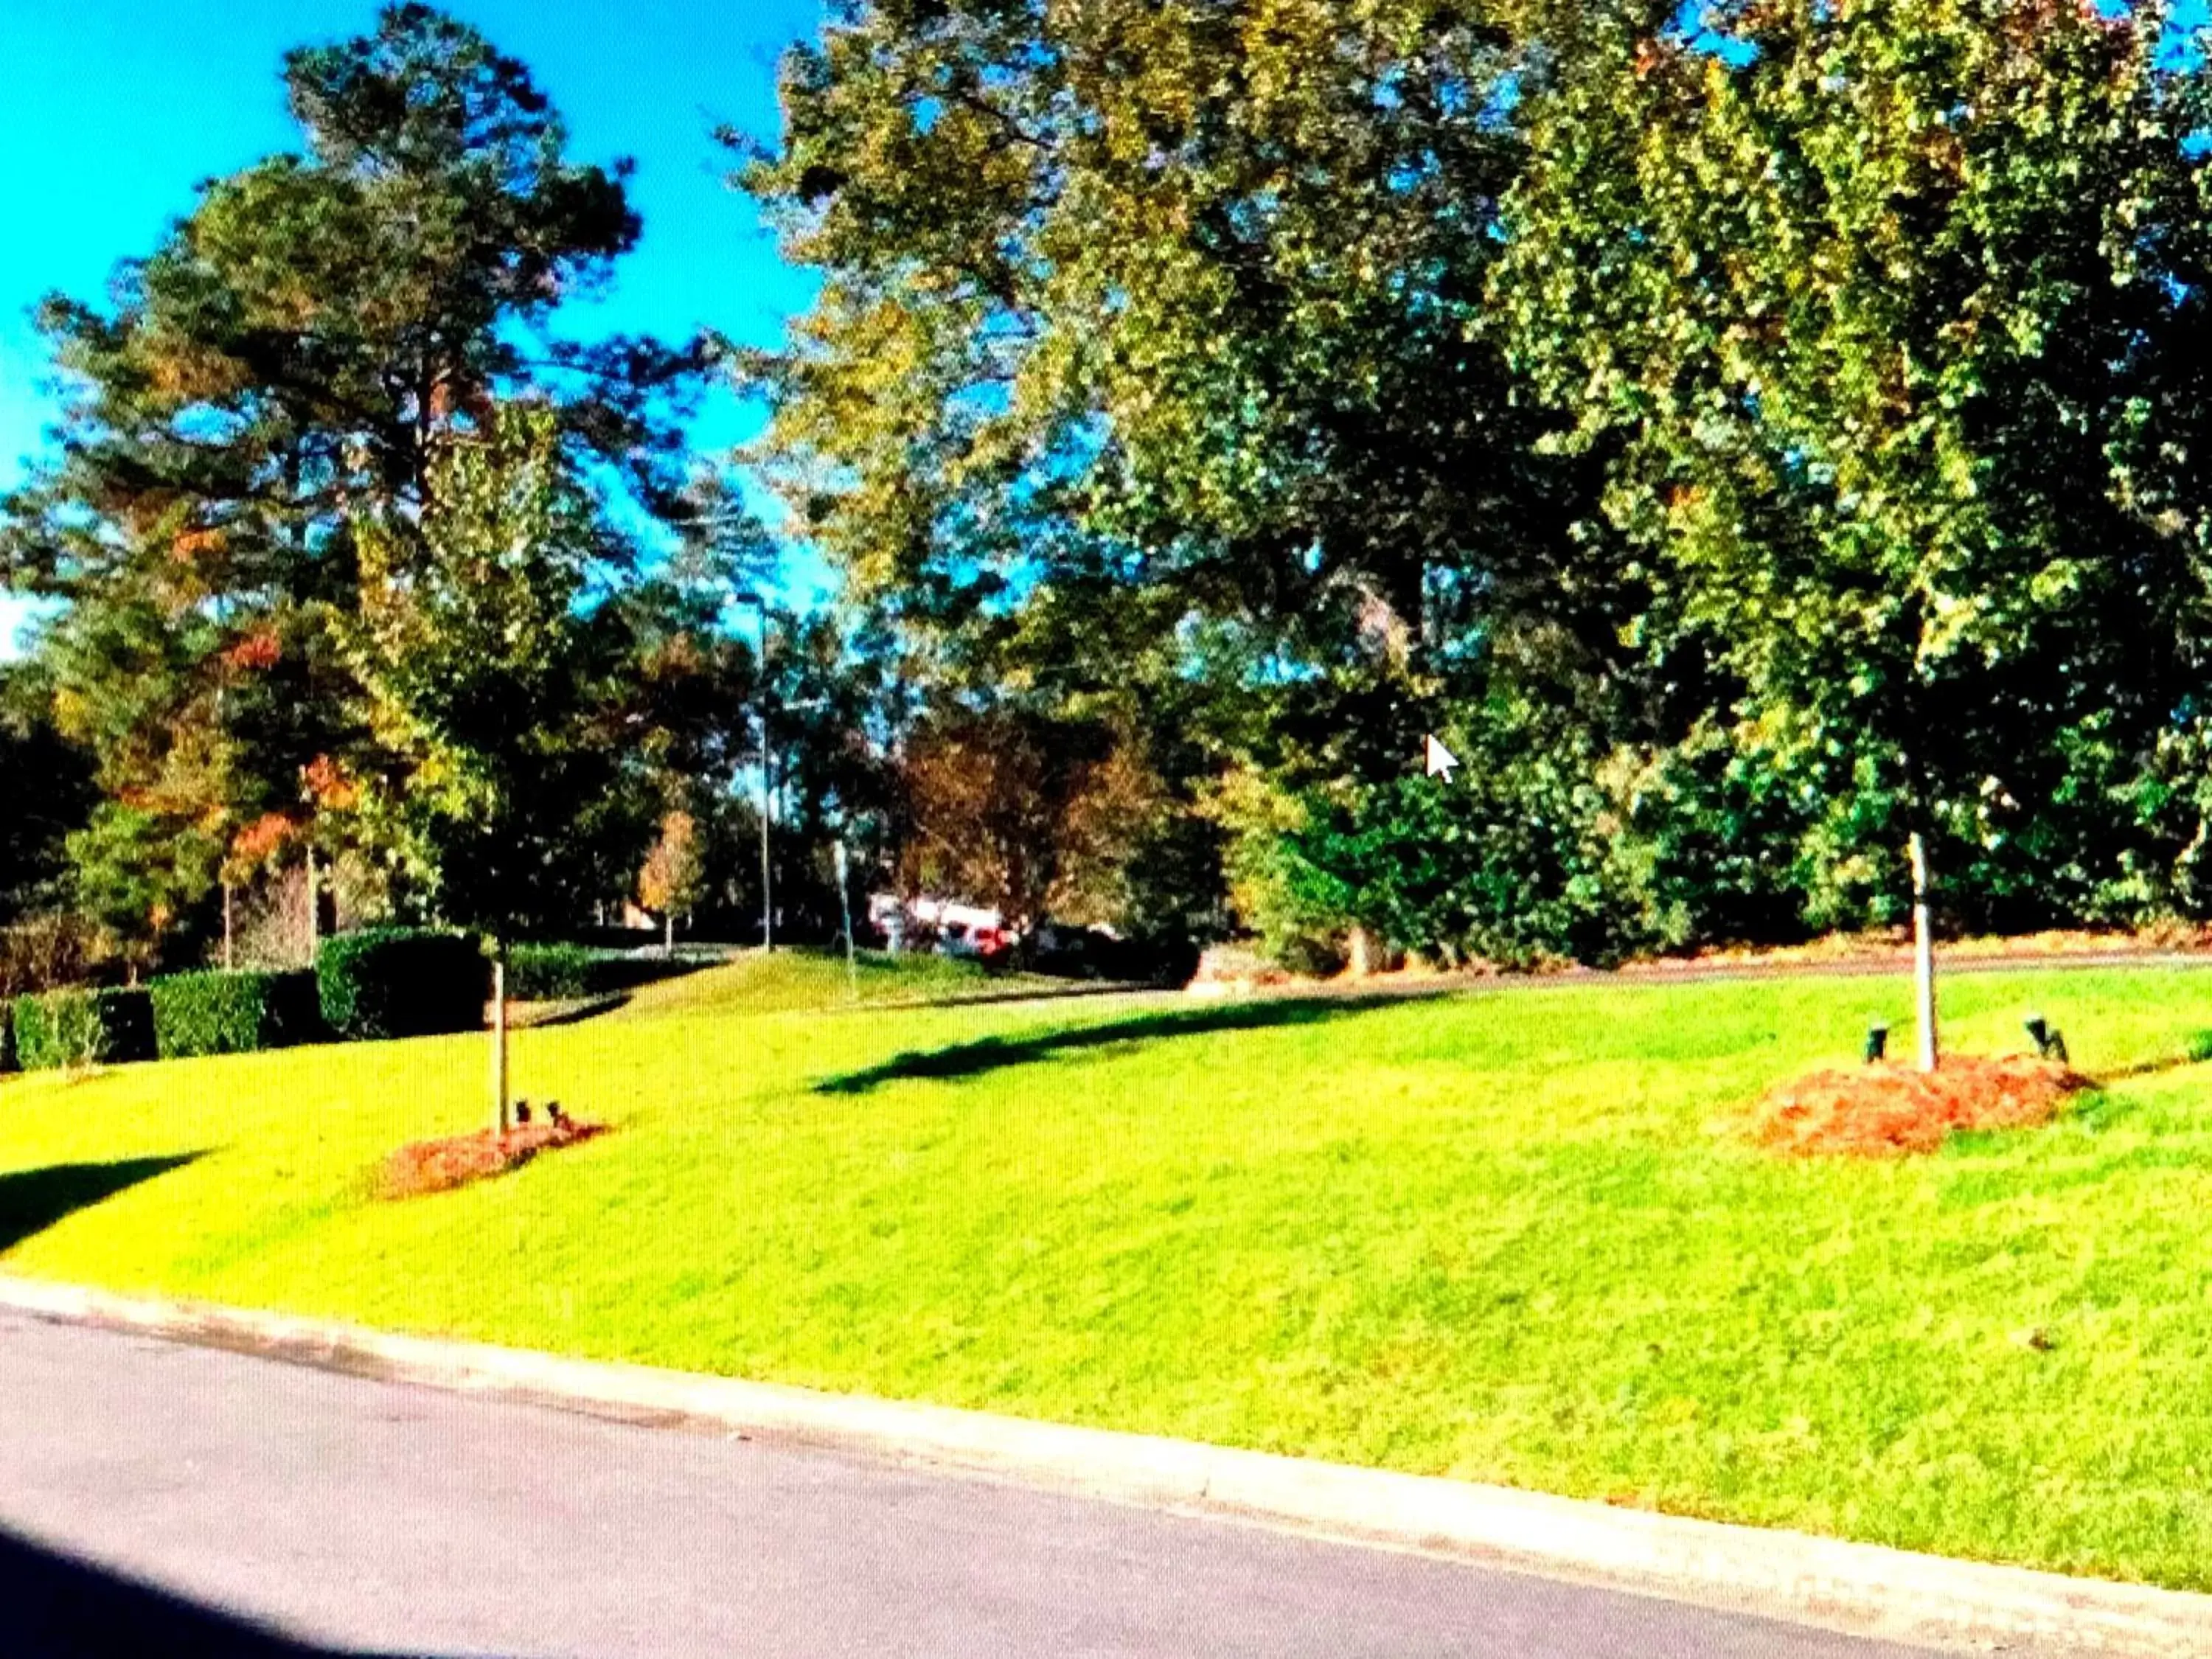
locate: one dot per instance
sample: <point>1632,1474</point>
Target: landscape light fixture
<point>2049,1043</point>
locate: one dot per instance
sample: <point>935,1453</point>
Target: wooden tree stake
<point>498,1044</point>
<point>1924,954</point>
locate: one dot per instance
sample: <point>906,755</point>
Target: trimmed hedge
<point>562,973</point>
<point>233,1013</point>
<point>551,973</point>
<point>84,1028</point>
<point>400,982</point>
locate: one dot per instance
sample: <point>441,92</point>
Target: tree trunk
<point>229,932</point>
<point>314,910</point>
<point>1361,951</point>
<point>1924,956</point>
<point>668,935</point>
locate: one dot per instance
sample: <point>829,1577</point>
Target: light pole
<point>845,904</point>
<point>767,758</point>
<point>767,900</point>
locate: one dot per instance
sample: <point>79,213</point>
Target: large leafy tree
<point>495,797</point>
<point>1764,431</point>
<point>1150,318</point>
<point>1888,321</point>
<point>1036,815</point>
<point>289,365</point>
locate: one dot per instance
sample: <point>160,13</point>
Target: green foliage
<point>136,874</point>
<point>476,648</point>
<point>1150,372</point>
<point>47,782</point>
<point>560,973</point>
<point>1800,406</point>
<point>292,360</point>
<point>1754,437</point>
<point>553,973</point>
<point>1541,849</point>
<point>1723,838</point>
<point>1520,859</point>
<point>401,982</point>
<point>1187,283</point>
<point>233,1013</point>
<point>1877,316</point>
<point>109,1027</point>
<point>1425,872</point>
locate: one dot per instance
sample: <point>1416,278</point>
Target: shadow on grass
<point>60,1607</point>
<point>547,1016</point>
<point>32,1200</point>
<point>966,1059</point>
<point>2196,1051</point>
<point>1062,990</point>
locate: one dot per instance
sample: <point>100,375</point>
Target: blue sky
<point>111,111</point>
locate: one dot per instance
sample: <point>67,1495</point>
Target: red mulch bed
<point>1887,1111</point>
<point>438,1166</point>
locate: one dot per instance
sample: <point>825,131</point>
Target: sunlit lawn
<point>1506,1235</point>
<point>791,982</point>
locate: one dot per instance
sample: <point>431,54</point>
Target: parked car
<point>945,926</point>
<point>980,941</point>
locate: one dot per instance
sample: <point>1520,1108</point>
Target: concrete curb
<point>1859,1588</point>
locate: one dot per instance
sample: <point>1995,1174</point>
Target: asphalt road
<point>171,1501</point>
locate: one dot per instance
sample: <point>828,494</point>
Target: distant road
<point>1948,964</point>
<point>1946,961</point>
<point>181,1502</point>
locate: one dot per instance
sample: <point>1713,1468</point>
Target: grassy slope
<point>794,982</point>
<point>1504,1236</point>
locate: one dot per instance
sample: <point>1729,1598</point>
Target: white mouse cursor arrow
<point>1441,760</point>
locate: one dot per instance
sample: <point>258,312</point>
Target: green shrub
<point>228,1013</point>
<point>552,973</point>
<point>560,973</point>
<point>401,981</point>
<point>84,1028</point>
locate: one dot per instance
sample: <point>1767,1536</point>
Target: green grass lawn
<point>1506,1235</point>
<point>795,981</point>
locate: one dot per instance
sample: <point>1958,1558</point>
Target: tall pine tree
<point>287,367</point>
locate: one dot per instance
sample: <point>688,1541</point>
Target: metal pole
<point>1923,954</point>
<point>768,877</point>
<point>845,899</point>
